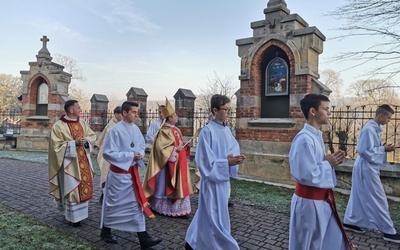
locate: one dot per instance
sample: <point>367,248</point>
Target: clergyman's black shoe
<point>183,217</point>
<point>155,212</point>
<point>148,243</point>
<point>230,204</point>
<point>188,247</point>
<point>76,224</point>
<point>392,237</point>
<point>353,228</point>
<point>108,237</point>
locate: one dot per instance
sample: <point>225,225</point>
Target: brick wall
<point>251,88</point>
<point>279,135</point>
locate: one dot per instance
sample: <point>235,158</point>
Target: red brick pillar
<point>184,108</point>
<point>98,112</point>
<point>139,96</point>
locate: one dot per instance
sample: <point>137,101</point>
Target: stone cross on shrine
<point>44,54</point>
<point>44,39</point>
<point>44,92</point>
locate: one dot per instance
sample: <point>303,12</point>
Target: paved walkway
<point>24,187</point>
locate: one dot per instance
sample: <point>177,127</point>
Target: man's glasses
<point>227,110</point>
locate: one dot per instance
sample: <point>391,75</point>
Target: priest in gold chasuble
<point>70,166</point>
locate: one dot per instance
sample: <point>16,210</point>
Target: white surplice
<point>312,222</point>
<point>121,210</point>
<point>368,206</point>
<point>210,227</point>
<point>152,130</point>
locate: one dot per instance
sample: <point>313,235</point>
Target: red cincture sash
<point>137,187</point>
<point>326,194</point>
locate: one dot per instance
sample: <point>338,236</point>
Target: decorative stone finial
<point>273,3</point>
<point>44,39</point>
<point>44,54</point>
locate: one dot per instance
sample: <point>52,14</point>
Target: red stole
<point>85,186</point>
<point>178,171</point>
<point>137,187</point>
<point>326,194</point>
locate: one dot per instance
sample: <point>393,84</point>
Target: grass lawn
<point>20,232</point>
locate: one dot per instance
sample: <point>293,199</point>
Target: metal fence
<point>201,118</point>
<point>10,122</point>
<point>346,124</point>
<point>343,130</point>
<point>197,118</point>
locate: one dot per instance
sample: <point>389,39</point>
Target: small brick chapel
<point>279,65</point>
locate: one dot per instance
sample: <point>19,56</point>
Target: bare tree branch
<point>224,86</point>
<point>75,92</point>
<point>365,18</point>
<point>373,92</point>
<point>10,89</point>
<point>70,66</point>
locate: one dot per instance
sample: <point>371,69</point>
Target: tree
<point>373,92</point>
<point>372,19</point>
<point>75,92</point>
<point>70,66</point>
<point>114,101</point>
<point>226,86</point>
<point>10,90</point>
<point>334,81</point>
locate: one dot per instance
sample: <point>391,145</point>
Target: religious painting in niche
<point>276,78</point>
<point>43,94</point>
<point>42,99</point>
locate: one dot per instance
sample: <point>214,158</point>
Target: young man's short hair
<point>218,100</point>
<point>311,101</point>
<point>117,110</point>
<point>68,104</point>
<point>384,109</point>
<point>126,106</point>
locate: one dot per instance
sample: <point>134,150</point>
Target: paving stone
<point>25,189</point>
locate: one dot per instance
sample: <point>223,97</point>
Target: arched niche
<point>42,99</point>
<point>275,83</point>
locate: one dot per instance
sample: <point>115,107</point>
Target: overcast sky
<point>157,45</point>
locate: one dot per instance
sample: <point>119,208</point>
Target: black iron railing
<point>197,118</point>
<point>346,124</point>
<point>343,129</point>
<point>10,122</point>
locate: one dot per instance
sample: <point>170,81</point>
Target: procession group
<point>167,186</point>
